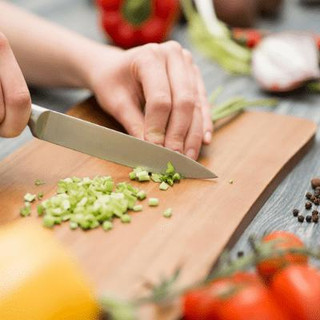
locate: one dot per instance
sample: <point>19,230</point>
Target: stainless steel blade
<point>109,144</point>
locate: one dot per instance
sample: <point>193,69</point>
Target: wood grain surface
<point>255,151</point>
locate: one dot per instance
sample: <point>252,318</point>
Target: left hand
<point>156,92</point>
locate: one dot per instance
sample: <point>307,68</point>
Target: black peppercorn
<point>308,205</point>
<point>315,212</point>
<point>313,199</point>
<point>300,218</point>
<point>316,202</point>
<point>308,195</point>
<point>315,219</point>
<point>315,182</point>
<point>308,218</point>
<point>240,254</point>
<point>295,212</point>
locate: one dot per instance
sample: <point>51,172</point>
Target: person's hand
<point>156,92</point>
<point>15,101</point>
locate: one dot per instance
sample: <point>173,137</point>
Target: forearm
<point>49,55</point>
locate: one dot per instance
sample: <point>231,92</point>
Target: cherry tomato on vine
<point>240,297</point>
<point>282,240</point>
<point>298,289</point>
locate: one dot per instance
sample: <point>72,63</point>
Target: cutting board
<point>255,150</point>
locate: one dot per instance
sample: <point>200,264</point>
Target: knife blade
<point>108,144</point>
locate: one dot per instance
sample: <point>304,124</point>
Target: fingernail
<point>191,153</point>
<point>207,137</point>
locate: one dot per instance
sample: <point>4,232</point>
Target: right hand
<point>15,101</point>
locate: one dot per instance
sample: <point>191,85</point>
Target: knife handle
<point>36,113</point>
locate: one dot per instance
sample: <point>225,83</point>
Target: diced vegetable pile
<point>91,203</point>
<point>166,179</point>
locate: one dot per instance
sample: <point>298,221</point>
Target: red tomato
<point>298,289</point>
<point>240,297</point>
<point>268,267</point>
<point>198,304</point>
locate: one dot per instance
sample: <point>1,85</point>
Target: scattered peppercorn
<point>315,182</point>
<point>316,202</point>
<point>240,254</point>
<point>313,199</point>
<point>308,195</point>
<point>308,205</point>
<point>308,218</point>
<point>295,212</point>
<point>315,219</point>
<point>300,218</point>
<point>315,212</point>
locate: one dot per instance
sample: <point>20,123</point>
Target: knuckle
<point>173,45</point>
<point>160,103</point>
<point>187,55</point>
<point>155,136</point>
<point>20,99</point>
<point>186,102</point>
<point>4,43</point>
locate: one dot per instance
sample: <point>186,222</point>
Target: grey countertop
<point>80,16</point>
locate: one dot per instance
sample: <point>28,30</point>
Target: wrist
<point>89,60</point>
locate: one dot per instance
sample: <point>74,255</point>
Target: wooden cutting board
<point>256,150</point>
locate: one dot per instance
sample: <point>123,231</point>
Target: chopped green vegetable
<point>163,186</point>
<point>28,197</point>
<point>132,175</point>
<point>39,182</point>
<point>26,210</point>
<point>167,213</point>
<point>73,225</point>
<point>156,177</point>
<point>141,195</point>
<point>170,169</point>
<point>137,207</point>
<point>153,202</point>
<point>125,218</point>
<point>40,195</point>
<point>40,209</point>
<point>143,176</point>
<point>107,225</point>
<point>49,221</point>
<point>88,203</point>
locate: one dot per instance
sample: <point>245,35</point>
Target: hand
<point>162,79</point>
<point>15,101</point>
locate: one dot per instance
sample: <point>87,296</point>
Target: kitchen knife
<point>110,145</point>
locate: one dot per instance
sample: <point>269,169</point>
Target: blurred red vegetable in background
<point>130,23</point>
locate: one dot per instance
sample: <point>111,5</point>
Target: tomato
<point>250,299</point>
<point>198,304</point>
<point>298,289</point>
<point>240,297</point>
<point>285,240</point>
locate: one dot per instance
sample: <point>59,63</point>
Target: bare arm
<point>155,91</point>
<point>49,55</point>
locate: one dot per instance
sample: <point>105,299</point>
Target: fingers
<point>183,96</point>
<point>150,71</point>
<point>15,101</point>
<point>205,107</point>
<point>125,109</point>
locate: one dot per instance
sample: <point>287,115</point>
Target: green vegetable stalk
<point>222,49</point>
